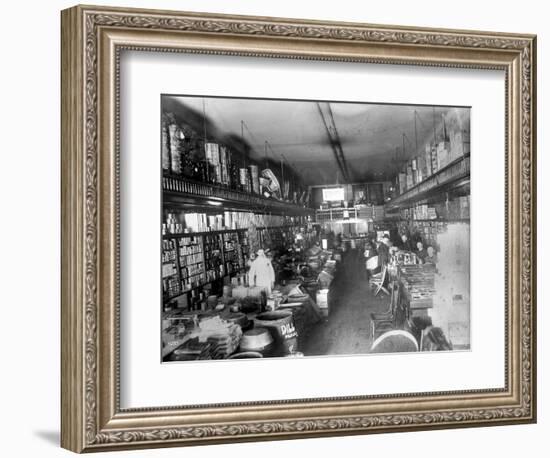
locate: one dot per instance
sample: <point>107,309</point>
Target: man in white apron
<point>261,272</point>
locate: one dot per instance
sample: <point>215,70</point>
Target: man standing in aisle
<point>384,251</point>
<point>261,272</point>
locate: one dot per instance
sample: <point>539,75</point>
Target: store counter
<point>417,287</point>
<point>188,326</point>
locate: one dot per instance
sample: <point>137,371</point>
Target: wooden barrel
<point>280,324</point>
<point>246,355</point>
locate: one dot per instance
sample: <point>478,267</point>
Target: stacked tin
<point>175,156</point>
<point>254,178</point>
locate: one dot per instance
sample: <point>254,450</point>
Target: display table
<point>417,287</point>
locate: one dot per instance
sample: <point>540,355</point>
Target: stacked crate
<point>212,152</point>
<point>402,182</point>
<point>419,282</point>
<point>460,144</point>
<point>443,154</point>
<point>378,212</point>
<point>225,165</point>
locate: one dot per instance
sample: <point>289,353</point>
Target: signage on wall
<point>332,194</point>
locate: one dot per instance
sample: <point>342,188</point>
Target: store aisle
<point>347,330</point>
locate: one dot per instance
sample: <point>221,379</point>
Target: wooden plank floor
<point>347,330</point>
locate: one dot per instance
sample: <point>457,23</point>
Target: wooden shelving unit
<point>233,252</point>
<point>178,190</point>
<point>454,174</point>
<point>200,258</point>
<point>277,236</point>
<point>439,220</point>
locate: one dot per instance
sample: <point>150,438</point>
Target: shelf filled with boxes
<point>182,222</point>
<point>278,237</point>
<point>451,209</point>
<point>202,167</point>
<point>453,174</point>
<point>191,259</point>
<point>213,257</point>
<point>233,251</point>
<point>430,220</point>
<point>244,245</point>
<point>170,276</point>
<point>433,159</point>
<point>428,230</point>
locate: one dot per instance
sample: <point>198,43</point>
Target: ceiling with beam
<point>315,139</point>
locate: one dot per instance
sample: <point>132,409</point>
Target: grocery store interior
<point>313,228</point>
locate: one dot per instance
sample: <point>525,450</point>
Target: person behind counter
<point>250,260</point>
<point>431,256</point>
<point>421,252</point>
<point>405,244</point>
<point>261,272</point>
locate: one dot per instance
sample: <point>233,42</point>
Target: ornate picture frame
<point>92,40</point>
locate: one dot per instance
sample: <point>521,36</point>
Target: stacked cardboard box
<point>421,165</point>
<point>435,162</point>
<point>432,214</point>
<point>443,156</point>
<point>421,212</point>
<point>464,207</point>
<point>453,209</point>
<point>175,155</point>
<point>402,182</point>
<point>215,222</point>
<point>196,222</point>
<point>414,167</point>
<point>224,165</point>
<point>419,176</point>
<point>435,157</point>
<point>428,160</point>
<point>212,153</point>
<point>255,179</point>
<point>410,181</point>
<point>378,212</point>
<point>459,145</point>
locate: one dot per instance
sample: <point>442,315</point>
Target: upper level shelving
<point>194,234</point>
<point>179,190</point>
<point>456,173</point>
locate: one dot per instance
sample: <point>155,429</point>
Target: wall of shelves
<point>456,173</point>
<point>233,252</point>
<point>278,237</point>
<point>194,260</point>
<point>190,261</point>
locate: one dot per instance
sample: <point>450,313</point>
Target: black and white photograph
<point>303,228</point>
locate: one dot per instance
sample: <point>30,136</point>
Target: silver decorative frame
<point>92,39</point>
